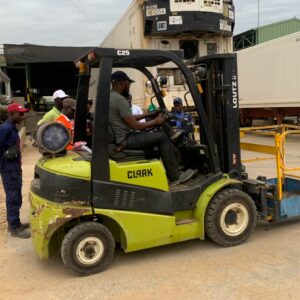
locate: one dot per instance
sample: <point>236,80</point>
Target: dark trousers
<point>12,183</point>
<point>146,139</point>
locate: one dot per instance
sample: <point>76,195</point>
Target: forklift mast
<point>222,109</point>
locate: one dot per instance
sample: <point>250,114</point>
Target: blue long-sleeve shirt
<point>8,137</point>
<point>182,120</point>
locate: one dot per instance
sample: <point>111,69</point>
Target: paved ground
<point>265,267</point>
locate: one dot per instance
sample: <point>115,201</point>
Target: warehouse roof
<point>29,53</point>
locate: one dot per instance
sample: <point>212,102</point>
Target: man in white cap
<point>54,113</point>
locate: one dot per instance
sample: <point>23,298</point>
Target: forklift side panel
<point>47,217</point>
<point>147,173</point>
<point>120,196</point>
<point>142,230</point>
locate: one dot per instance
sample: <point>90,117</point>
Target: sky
<point>86,23</point>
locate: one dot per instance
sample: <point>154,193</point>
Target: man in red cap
<point>11,171</point>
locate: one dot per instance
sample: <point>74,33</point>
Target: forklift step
<point>186,221</point>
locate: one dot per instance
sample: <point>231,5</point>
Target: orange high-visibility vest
<point>69,124</point>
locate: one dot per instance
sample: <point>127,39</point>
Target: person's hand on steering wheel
<point>160,119</point>
<point>164,112</point>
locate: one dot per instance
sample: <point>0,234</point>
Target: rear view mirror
<point>149,87</point>
<point>148,84</point>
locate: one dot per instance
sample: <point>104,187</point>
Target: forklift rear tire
<point>87,248</point>
<point>230,217</point>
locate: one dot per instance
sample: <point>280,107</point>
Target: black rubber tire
<point>78,234</point>
<point>213,214</point>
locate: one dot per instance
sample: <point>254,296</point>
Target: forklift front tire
<point>87,248</point>
<point>230,218</point>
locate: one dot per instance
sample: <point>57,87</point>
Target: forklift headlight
<point>52,137</point>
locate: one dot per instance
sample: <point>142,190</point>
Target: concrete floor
<point>267,266</point>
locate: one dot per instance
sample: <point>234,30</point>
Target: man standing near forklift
<point>54,113</point>
<point>130,134</point>
<point>67,118</point>
<point>11,169</point>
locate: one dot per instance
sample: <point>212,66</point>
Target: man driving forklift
<point>131,134</point>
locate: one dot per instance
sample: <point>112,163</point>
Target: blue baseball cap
<point>177,100</point>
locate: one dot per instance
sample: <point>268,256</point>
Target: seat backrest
<point>111,135</point>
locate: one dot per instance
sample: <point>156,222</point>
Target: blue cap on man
<point>177,100</point>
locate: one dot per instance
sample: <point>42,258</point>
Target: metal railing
<point>278,151</point>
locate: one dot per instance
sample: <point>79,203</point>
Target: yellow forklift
<point>83,203</point>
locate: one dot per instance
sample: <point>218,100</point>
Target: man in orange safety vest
<point>67,117</point>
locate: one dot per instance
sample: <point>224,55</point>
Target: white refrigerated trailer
<point>198,27</point>
<point>269,79</point>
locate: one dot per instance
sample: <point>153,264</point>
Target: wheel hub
<point>89,251</point>
<point>234,219</point>
<point>231,217</point>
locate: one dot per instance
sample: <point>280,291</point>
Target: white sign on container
<point>162,25</point>
<point>175,20</point>
<point>154,11</point>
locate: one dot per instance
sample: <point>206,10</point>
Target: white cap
<point>59,94</point>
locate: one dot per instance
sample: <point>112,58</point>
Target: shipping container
<point>269,78</point>
<point>198,27</point>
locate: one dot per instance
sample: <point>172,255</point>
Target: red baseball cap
<point>16,107</point>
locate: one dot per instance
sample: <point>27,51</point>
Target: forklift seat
<point>125,154</point>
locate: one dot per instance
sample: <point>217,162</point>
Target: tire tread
<point>75,232</point>
<point>211,228</point>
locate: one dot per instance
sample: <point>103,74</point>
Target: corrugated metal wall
<point>265,33</point>
<point>276,30</point>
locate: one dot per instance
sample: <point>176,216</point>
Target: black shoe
<point>186,175</point>
<point>24,226</point>
<point>19,233</point>
<point>183,177</point>
<point>176,134</point>
<point>174,183</point>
